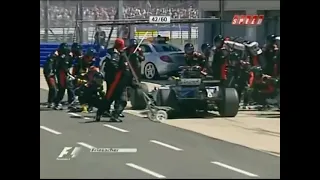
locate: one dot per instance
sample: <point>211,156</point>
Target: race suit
<point>219,64</point>
<point>135,60</point>
<point>260,88</point>
<point>271,56</point>
<point>117,77</point>
<point>196,59</point>
<point>89,91</point>
<point>49,74</point>
<point>80,68</point>
<point>63,65</point>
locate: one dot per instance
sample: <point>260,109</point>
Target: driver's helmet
<point>205,47</point>
<point>63,49</point>
<point>76,49</point>
<point>189,48</point>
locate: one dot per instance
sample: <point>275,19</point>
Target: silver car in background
<point>161,59</point>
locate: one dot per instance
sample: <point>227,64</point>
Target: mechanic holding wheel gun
<point>62,72</point>
<point>219,63</point>
<point>49,74</point>
<point>206,49</point>
<point>117,77</point>
<point>271,54</point>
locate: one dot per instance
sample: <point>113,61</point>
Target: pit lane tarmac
<point>162,151</point>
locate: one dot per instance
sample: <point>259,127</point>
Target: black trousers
<point>115,93</point>
<point>51,82</point>
<point>63,85</point>
<point>121,103</point>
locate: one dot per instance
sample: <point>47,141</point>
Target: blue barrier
<point>47,48</point>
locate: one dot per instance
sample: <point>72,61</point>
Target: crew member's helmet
<point>205,47</point>
<point>119,44</point>
<point>271,39</point>
<point>90,52</point>
<point>98,78</point>
<point>76,48</point>
<point>188,48</point>
<point>63,48</point>
<point>133,42</point>
<point>218,40</point>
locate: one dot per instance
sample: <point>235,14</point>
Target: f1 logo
<point>66,153</point>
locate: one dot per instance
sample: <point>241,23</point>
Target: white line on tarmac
<point>86,145</point>
<point>78,115</point>
<point>152,173</point>
<point>115,128</point>
<point>75,114</point>
<point>234,169</point>
<point>50,130</point>
<point>166,145</point>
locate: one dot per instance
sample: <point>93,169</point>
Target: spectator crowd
<point>63,14</point>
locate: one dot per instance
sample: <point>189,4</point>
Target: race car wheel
<point>150,71</point>
<point>137,98</point>
<point>229,105</point>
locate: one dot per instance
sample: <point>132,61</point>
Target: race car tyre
<point>137,97</point>
<point>229,105</point>
<point>166,97</point>
<point>150,71</point>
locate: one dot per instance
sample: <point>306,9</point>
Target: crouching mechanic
<point>90,92</point>
<point>261,87</point>
<point>117,77</point>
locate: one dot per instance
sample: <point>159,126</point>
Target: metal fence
<point>61,24</point>
<point>59,18</point>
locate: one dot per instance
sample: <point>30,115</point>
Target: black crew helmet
<point>63,48</point>
<point>188,48</point>
<point>133,42</point>
<point>271,38</point>
<point>76,48</point>
<point>205,47</point>
<point>218,38</point>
